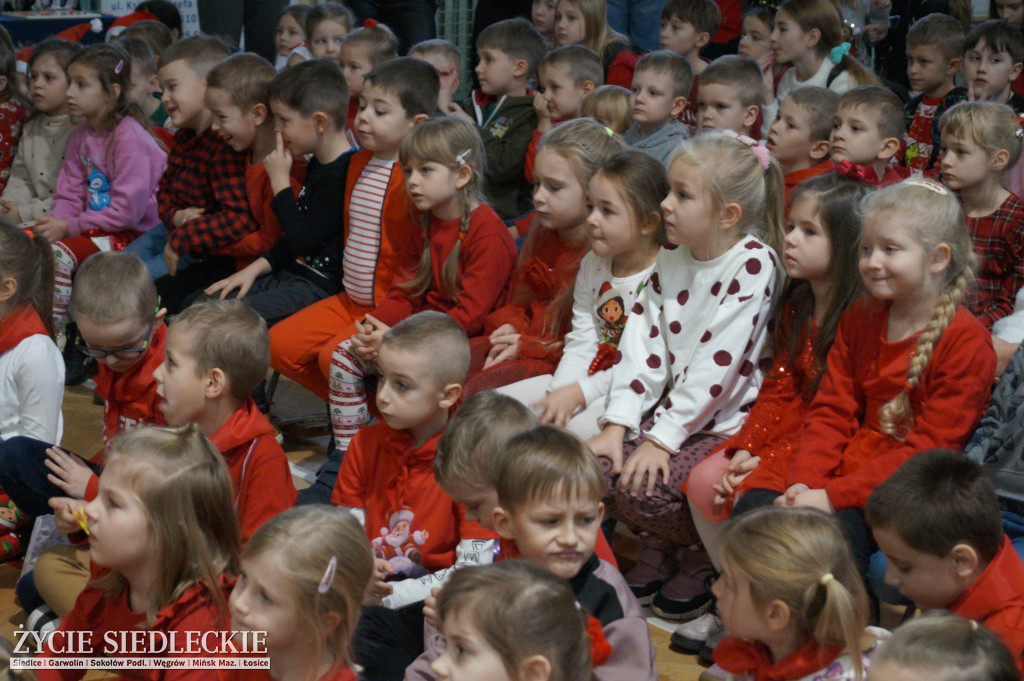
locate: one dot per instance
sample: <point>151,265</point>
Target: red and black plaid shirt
<point>203,171</point>
<point>999,242</point>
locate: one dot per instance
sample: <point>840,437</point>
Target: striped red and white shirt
<point>362,247</point>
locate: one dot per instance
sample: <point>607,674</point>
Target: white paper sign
<point>188,8</point>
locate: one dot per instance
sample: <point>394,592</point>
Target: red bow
<point>855,171</point>
<point>605,358</point>
<point>600,649</point>
<point>541,279</point>
<point>737,656</point>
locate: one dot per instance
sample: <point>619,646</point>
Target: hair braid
<point>420,281</point>
<point>450,270</point>
<point>896,415</point>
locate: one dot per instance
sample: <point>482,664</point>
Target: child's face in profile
<point>184,91</point>
<point>262,601</point>
<point>478,500</point>
<point>989,73</point>
<point>558,533</point>
<point>120,537</point>
<point>788,40</point>
<point>807,251</point>
<point>965,164</point>
<point>127,338</point>
<point>179,381</point>
<point>789,137</point>
<point>467,655</point>
<point>326,38</point>
<point>740,614</point>
<point>927,68</point>
<point>561,93</point>
<point>678,36</point>
<point>559,200</point>
<point>236,127</point>
<point>409,393</point>
<point>855,136</point>
<point>355,64</point>
<point>928,580</point>
<point>756,38</point>
<point>719,108</point>
<point>49,85</point>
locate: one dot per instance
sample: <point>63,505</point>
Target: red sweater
<point>259,469</point>
<point>996,599</point>
<point>797,176</point>
<point>537,282</point>
<point>257,188</point>
<point>486,260</point>
<point>841,448</point>
<point>410,520</point>
<point>194,611</point>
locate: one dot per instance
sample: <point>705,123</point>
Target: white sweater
<point>31,390</point>
<point>589,327</point>
<point>37,163</point>
<point>698,330</point>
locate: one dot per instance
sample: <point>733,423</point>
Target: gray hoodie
<point>661,143</point>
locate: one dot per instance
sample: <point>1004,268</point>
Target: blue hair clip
<point>838,52</point>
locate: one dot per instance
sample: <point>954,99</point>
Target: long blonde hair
<point>934,217</point>
<point>733,174</point>
<point>595,23</point>
<point>453,143</point>
<point>320,547</point>
<point>801,557</point>
<point>182,483</point>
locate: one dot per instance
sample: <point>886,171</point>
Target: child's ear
<point>702,40</point>
<point>449,394</point>
<point>502,523</point>
<point>940,259</point>
<point>750,117</point>
<point>159,317</point>
<point>954,66</point>
<point>321,121</point>
<point>8,287</point>
<point>650,223</point>
<point>535,668</point>
<point>999,160</point>
<point>587,87</point>
<point>890,145</point>
<point>678,105</point>
<point>519,68</point>
<point>778,615</point>
<point>116,87</point>
<point>462,176</point>
<point>1016,70</point>
<point>419,118</point>
<point>154,84</point>
<point>966,561</point>
<point>812,37</point>
<point>819,150</point>
<point>260,114</point>
<point>600,512</point>
<point>730,217</point>
<point>331,622</point>
<point>216,383</point>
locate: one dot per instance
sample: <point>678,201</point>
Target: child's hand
<point>377,587</point>
<point>430,608</point>
<point>504,345</point>
<point>10,211</point>
<point>64,513</point>
<point>278,165</point>
<point>648,458</point>
<point>789,498</point>
<point>875,33</point>
<point>540,105</point>
<point>814,498</point>
<point>766,62</point>
<point>171,260</point>
<point>368,337</point>
<point>241,280</point>
<point>185,214</point>
<point>68,472</point>
<point>608,444</point>
<point>559,406</point>
<point>740,466</point>
<point>54,229</point>
<point>456,110</point>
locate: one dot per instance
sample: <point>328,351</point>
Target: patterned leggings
<point>664,516</point>
<point>348,404</point>
<point>68,255</point>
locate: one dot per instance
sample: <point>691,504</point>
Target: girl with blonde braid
<point>910,369</point>
<point>461,262</point>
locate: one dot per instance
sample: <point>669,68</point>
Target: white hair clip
<point>461,158</point>
<point>930,185</point>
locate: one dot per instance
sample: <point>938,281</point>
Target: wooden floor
<point>82,434</point>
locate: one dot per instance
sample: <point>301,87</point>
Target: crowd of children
<point>755,297</point>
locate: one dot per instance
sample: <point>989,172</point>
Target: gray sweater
<point>661,143</point>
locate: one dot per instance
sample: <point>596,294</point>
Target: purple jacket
<point>109,180</point>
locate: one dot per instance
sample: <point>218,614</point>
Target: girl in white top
<point>626,230</point>
<point>31,368</point>
<point>690,352</point>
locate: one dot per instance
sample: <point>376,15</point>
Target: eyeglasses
<point>126,354</point>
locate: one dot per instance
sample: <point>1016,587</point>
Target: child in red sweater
<point>525,335</point>
<point>910,368</point>
<point>459,264</point>
<point>164,541</point>
<point>387,479</point>
<point>301,582</point>
<point>937,520</point>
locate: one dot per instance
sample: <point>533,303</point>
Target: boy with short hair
<point>386,479</point>
<point>444,56</point>
<point>566,76</point>
<point>503,110</point>
<point>993,58</point>
<point>866,133</point>
<point>201,199</point>
<point>729,95</point>
<point>661,81</point>
<point>935,51</point>
<point>396,95</point>
<point>550,488</point>
<point>686,28</point>
<point>937,521</point>
<point>799,137</point>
